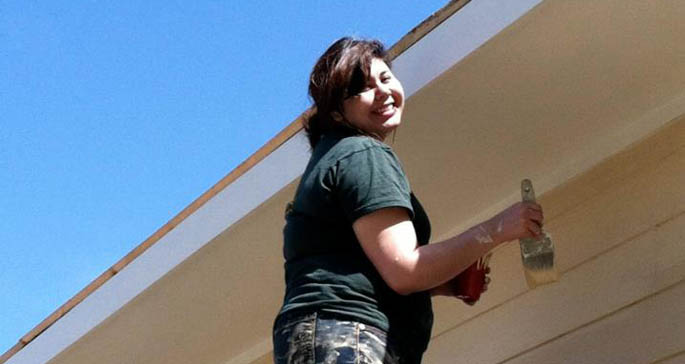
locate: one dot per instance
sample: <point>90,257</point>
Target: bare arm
<point>389,240</point>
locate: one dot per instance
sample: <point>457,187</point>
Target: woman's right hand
<point>520,220</point>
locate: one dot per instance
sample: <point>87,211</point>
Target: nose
<point>382,92</point>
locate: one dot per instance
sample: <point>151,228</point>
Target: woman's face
<point>377,109</point>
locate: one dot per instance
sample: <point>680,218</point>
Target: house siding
<point>619,231</point>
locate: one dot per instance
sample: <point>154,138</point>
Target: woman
<point>359,272</point>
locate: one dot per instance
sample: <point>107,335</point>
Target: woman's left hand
<point>451,288</point>
<point>486,282</point>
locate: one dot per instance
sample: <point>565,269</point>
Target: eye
<point>365,89</point>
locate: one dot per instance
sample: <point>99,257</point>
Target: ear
<point>336,116</point>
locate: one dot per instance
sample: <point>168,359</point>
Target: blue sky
<point>115,115</point>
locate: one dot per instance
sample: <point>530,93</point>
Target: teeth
<point>385,108</point>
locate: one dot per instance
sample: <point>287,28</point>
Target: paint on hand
<point>484,237</point>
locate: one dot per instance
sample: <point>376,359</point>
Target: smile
<point>386,110</point>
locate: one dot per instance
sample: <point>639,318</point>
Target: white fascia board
<point>444,46</point>
<point>245,194</point>
<point>454,39</point>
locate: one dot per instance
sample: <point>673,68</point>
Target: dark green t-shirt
<point>326,270</point>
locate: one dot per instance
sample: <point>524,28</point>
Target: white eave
<point>498,91</point>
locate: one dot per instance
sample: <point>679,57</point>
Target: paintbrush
<point>537,253</point>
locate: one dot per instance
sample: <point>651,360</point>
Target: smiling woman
<point>359,270</point>
<point>349,85</point>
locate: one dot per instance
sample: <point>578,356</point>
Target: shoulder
<point>365,176</point>
<point>355,145</point>
<point>350,156</point>
<point>362,160</point>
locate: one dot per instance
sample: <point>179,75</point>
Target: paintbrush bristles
<point>538,277</point>
<point>537,256</point>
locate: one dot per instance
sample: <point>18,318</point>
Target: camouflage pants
<point>314,340</point>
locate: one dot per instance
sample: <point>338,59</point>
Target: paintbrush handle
<point>527,191</point>
<point>528,245</point>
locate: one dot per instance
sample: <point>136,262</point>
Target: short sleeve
<point>371,179</point>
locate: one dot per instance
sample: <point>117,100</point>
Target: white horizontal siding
<point>677,358</point>
<point>620,244</point>
<point>641,331</point>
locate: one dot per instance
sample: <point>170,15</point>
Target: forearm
<point>389,240</point>
<point>429,266</point>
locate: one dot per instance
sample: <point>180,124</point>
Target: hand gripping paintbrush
<point>537,253</point>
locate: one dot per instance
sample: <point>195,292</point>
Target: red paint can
<point>468,285</point>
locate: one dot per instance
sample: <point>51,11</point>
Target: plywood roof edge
<point>13,350</point>
<point>425,27</point>
<point>251,161</point>
<point>289,131</point>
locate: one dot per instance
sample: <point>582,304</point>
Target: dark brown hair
<point>342,71</point>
